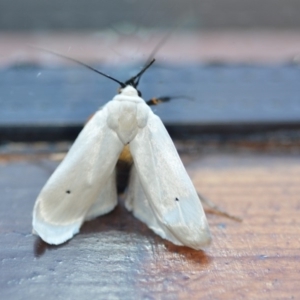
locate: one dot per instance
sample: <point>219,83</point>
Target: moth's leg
<point>216,209</point>
<point>159,100</point>
<point>156,101</point>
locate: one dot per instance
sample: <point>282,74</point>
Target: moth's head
<point>129,87</point>
<point>129,90</point>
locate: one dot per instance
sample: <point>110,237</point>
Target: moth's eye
<point>139,93</point>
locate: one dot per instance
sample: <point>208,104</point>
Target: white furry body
<point>83,186</point>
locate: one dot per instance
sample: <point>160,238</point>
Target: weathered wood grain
<point>118,257</point>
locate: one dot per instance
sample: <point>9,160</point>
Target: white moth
<point>83,187</point>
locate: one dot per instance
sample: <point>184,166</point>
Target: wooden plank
<point>49,104</point>
<point>116,256</point>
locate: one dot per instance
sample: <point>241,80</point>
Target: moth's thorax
<point>127,114</point>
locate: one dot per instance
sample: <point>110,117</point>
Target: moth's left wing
<point>176,212</point>
<point>83,185</point>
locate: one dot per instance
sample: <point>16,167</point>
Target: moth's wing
<point>137,202</point>
<point>179,216</point>
<point>68,197</point>
<point>106,201</point>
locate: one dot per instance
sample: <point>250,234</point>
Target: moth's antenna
<point>139,75</point>
<point>150,59</point>
<point>153,52</point>
<point>160,44</point>
<point>80,63</point>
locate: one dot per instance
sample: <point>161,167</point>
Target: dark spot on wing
<point>176,199</point>
<point>68,192</point>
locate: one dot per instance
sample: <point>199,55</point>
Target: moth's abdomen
<point>125,156</point>
<point>123,169</point>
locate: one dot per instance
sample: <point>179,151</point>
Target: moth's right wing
<point>83,185</point>
<point>137,202</point>
<point>161,193</point>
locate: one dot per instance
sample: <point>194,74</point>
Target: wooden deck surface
<point>118,257</point>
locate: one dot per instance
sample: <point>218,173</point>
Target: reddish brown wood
<point>116,256</point>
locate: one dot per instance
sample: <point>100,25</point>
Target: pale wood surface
<point>118,257</point>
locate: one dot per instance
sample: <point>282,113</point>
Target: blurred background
<point>118,31</point>
<point>95,15</point>
<point>235,61</point>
